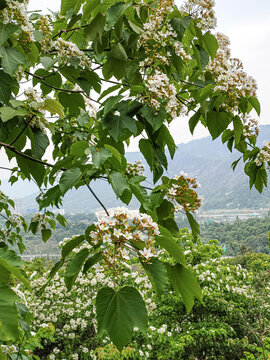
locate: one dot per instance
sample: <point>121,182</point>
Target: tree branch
<point>59,89</point>
<point>95,196</point>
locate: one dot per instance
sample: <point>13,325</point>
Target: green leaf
<point>211,44</point>
<point>11,59</point>
<point>47,62</point>
<point>154,118</point>
<point>135,28</point>
<point>9,317</point>
<point>69,179</point>
<point>8,113</point>
<point>238,128</point>
<point>99,156</point>
<point>195,228</point>
<point>54,107</point>
<point>204,58</point>
<point>46,234</point>
<point>5,31</point>
<point>217,122</point>
<point>94,31</point>
<point>74,266</point>
<point>157,273</point>
<point>78,148</point>
<point>39,143</point>
<point>51,197</point>
<point>72,102</point>
<point>113,13</point>
<point>119,312</point>
<point>193,121</point>
<point>5,88</point>
<point>184,284</point>
<point>92,261</point>
<point>70,245</point>
<point>67,5</point>
<point>37,171</point>
<point>166,241</point>
<point>61,219</point>
<point>111,103</point>
<point>119,183</point>
<point>256,104</point>
<point>10,263</point>
<point>119,53</point>
<point>117,125</point>
<point>180,25</point>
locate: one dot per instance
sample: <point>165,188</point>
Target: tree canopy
<point>101,74</point>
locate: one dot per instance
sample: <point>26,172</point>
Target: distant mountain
<point>209,161</point>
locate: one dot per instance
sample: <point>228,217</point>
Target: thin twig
<point>60,89</point>
<point>95,196</point>
<point>18,136</point>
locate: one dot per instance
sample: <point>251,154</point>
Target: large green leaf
<point>195,228</point>
<point>67,5</point>
<point>157,273</point>
<point>113,13</point>
<point>217,122</point>
<point>184,284</point>
<point>118,124</point>
<point>95,29</point>
<point>5,88</point>
<point>74,266</point>
<point>78,148</point>
<point>39,142</point>
<point>180,25</point>
<point>119,183</point>
<point>118,312</point>
<point>10,263</point>
<point>30,168</point>
<point>70,245</point>
<point>154,118</point>
<point>11,59</point>
<point>211,44</point>
<point>99,156</point>
<point>9,317</point>
<point>7,113</point>
<point>5,31</point>
<point>72,102</point>
<point>166,241</point>
<point>69,178</point>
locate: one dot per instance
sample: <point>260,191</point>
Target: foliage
<point>232,323</point>
<point>240,236</point>
<point>160,62</point>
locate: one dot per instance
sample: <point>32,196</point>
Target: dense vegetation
<point>232,324</point>
<point>240,236</point>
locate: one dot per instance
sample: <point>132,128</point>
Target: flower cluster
<point>202,11</point>
<point>135,169</point>
<point>229,75</point>
<point>44,26</point>
<point>161,91</point>
<point>15,11</point>
<point>37,118</point>
<point>123,235</point>
<point>156,36</point>
<point>264,155</point>
<point>250,126</point>
<point>181,192</point>
<point>67,50</point>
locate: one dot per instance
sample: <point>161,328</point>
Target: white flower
<point>147,253</point>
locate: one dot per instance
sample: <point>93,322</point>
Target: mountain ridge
<point>209,161</point>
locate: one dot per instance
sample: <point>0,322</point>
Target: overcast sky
<point>248,26</point>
